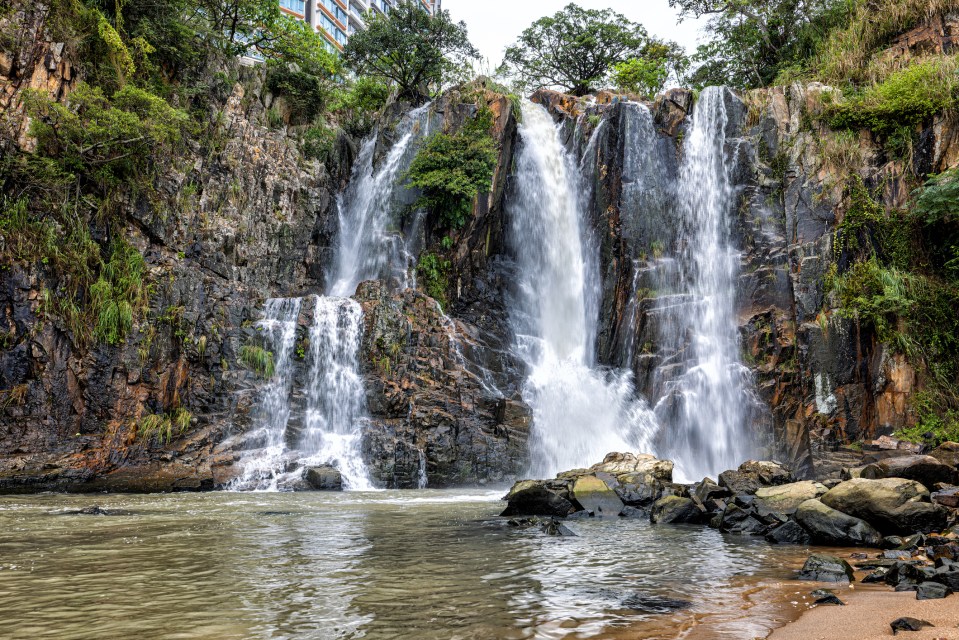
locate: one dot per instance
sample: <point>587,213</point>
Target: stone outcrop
<point>892,505</point>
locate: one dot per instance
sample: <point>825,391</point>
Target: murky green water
<point>426,565</point>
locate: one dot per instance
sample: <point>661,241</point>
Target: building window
<point>297,6</point>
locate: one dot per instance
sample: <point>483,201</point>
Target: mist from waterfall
<point>580,412</point>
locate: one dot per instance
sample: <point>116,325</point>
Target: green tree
<point>409,48</point>
<point>451,169</point>
<point>575,49</point>
<point>754,40</point>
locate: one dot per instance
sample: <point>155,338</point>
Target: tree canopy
<point>753,41</point>
<point>411,48</point>
<point>576,49</point>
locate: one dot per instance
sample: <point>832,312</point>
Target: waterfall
<point>370,245</point>
<point>278,325</point>
<point>336,399</point>
<point>329,418</point>
<point>580,413</point>
<point>707,391</point>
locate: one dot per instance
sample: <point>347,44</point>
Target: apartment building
<point>337,20</point>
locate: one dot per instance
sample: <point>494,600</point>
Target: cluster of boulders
<point>877,505</point>
<point>926,564</point>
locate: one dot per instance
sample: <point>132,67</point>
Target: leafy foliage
<point>576,49</point>
<point>753,41</point>
<point>452,169</point>
<point>432,274</point>
<point>893,108</point>
<point>640,76</point>
<point>410,48</point>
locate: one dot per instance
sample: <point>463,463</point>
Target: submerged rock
<point>538,498</point>
<point>654,604</point>
<point>826,568</point>
<point>555,528</point>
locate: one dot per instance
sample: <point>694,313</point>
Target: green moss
<point>452,169</point>
<point>432,275</point>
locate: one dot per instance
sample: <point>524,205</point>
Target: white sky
<point>495,24</point>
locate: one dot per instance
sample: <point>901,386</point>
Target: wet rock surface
<point>825,568</point>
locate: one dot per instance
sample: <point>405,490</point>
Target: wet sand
<point>867,615</point>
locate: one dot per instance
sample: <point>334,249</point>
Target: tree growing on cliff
<point>576,49</point>
<point>410,48</point>
<point>753,41</point>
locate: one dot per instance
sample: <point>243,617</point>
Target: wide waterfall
<point>708,392</point>
<point>328,425</point>
<point>580,413</point>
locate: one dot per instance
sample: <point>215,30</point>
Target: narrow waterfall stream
<point>705,407</point>
<point>580,413</point>
<point>329,423</point>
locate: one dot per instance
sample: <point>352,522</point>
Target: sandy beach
<point>868,613</point>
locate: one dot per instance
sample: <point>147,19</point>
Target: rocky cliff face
<point>241,217</point>
<point>244,216</point>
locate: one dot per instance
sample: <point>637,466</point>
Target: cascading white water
<point>580,413</point>
<point>279,323</point>
<point>704,409</point>
<point>370,247</point>
<point>336,400</point>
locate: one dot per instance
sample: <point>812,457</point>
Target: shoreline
<point>867,615</point>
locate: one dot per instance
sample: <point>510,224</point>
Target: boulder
<point>324,478</point>
<point>947,497</point>
<point>742,520</point>
<point>786,498</point>
<point>537,498</point>
<point>640,479</point>
<point>708,491</point>
<point>826,568</point>
<point>891,505</point>
<point>595,496</point>
<point>932,591</point>
<point>831,527</point>
<point>908,624</point>
<point>947,453</point>
<point>925,470</point>
<point>556,528</point>
<point>753,475</point>
<point>789,533</point>
<point>675,510</point>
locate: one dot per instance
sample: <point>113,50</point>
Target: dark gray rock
<point>324,478</point>
<point>789,533</point>
<point>932,591</point>
<point>908,624</point>
<point>537,498</point>
<point>826,568</point>
<point>676,510</point>
<point>831,527</point>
